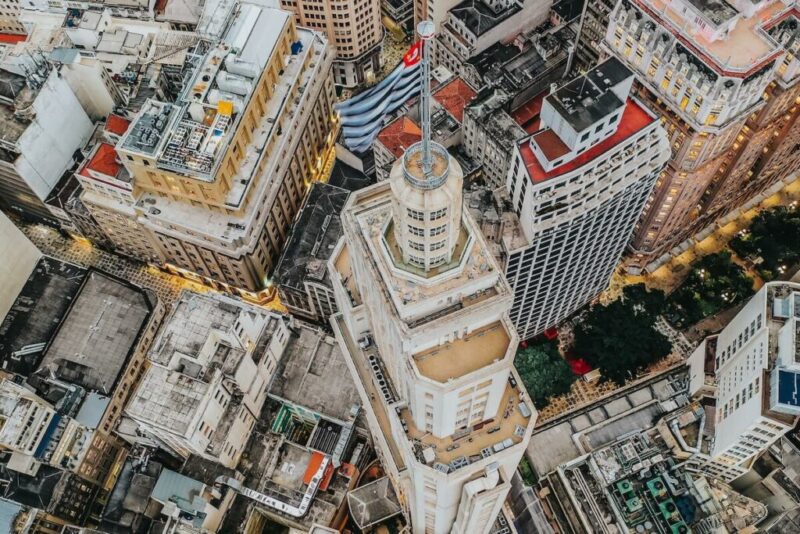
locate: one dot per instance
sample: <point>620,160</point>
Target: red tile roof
<point>104,161</point>
<point>12,38</point>
<point>400,134</point>
<point>634,119</point>
<point>527,115</point>
<point>117,125</point>
<point>454,97</point>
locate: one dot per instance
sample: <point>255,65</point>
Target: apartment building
<point>352,27</point>
<point>207,378</point>
<point>750,398</point>
<point>424,328</point>
<point>474,25</point>
<point>34,110</point>
<point>215,178</point>
<point>707,69</point>
<point>578,184</point>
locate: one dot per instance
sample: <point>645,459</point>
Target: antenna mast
<point>426,31</point>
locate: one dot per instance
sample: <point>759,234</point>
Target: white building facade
<point>424,328</point>
<point>757,375</point>
<point>578,186</point>
<point>208,377</point>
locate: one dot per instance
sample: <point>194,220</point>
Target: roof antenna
<point>426,30</point>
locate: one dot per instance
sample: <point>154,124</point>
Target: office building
<point>354,30</point>
<point>746,381</point>
<point>424,328</point>
<point>578,184</point>
<point>722,77</point>
<point>212,181</point>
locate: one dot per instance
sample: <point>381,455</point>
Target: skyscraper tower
<point>424,327</point>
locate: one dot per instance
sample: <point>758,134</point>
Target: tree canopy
<point>544,372</point>
<point>714,284</point>
<point>619,339</point>
<point>773,236</point>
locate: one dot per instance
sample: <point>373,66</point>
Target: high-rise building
<point>34,110</point>
<point>750,399</point>
<point>424,327</point>
<point>209,184</point>
<point>20,258</point>
<point>353,28</point>
<point>723,78</point>
<point>578,184</point>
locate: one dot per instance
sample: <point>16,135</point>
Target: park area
<point>642,330</point>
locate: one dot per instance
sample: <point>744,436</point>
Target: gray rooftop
<point>315,233</point>
<point>373,503</point>
<point>479,18</point>
<point>99,332</point>
<point>313,374</point>
<point>34,316</point>
<point>588,99</point>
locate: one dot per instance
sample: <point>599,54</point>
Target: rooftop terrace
<point>742,50</point>
<point>474,351</point>
<point>506,429</point>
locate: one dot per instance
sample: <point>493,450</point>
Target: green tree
<point>620,340</point>
<point>544,373</point>
<point>773,236</point>
<point>651,302</point>
<point>714,284</point>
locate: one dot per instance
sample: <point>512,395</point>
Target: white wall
<point>19,258</point>
<point>60,127</point>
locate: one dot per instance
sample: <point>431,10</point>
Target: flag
<point>362,116</point>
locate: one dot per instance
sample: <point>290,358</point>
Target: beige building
<point>353,28</point>
<point>722,78</point>
<point>424,327</point>
<point>206,378</point>
<point>209,184</point>
<point>9,17</point>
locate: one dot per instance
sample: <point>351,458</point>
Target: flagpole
<point>426,31</point>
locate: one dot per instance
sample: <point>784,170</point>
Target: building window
<point>438,214</point>
<point>416,246</point>
<point>416,231</point>
<point>416,215</point>
<point>438,230</point>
